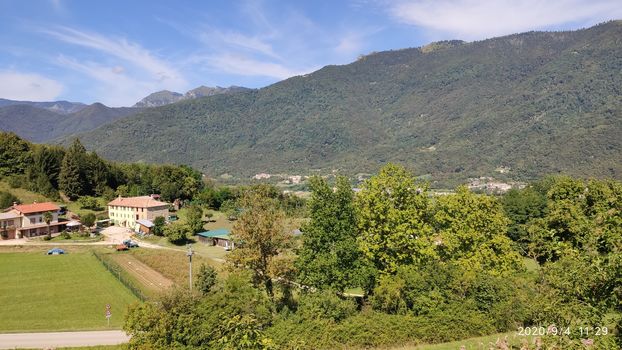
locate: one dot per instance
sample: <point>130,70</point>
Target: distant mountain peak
<point>165,97</point>
<point>62,107</point>
<point>159,98</point>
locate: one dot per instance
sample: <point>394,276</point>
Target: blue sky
<point>117,52</point>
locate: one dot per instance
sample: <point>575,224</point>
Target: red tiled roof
<point>36,207</point>
<point>137,202</point>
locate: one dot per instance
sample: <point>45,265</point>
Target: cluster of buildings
<point>135,213</point>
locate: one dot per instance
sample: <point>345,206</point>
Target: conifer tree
<point>71,178</point>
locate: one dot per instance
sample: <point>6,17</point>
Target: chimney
<point>14,204</point>
<point>35,202</point>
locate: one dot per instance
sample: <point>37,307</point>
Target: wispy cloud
<point>235,40</point>
<point>248,66</point>
<point>273,44</point>
<point>28,86</point>
<point>123,49</point>
<point>134,73</point>
<point>349,44</point>
<point>353,42</point>
<point>115,88</point>
<point>477,19</point>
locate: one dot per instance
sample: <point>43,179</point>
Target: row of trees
<point>432,268</point>
<point>77,173</point>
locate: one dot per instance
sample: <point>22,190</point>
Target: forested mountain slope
<point>39,124</point>
<point>537,102</point>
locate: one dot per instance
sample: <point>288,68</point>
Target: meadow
<point>65,292</point>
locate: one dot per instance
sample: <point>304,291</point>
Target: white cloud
<point>477,19</point>
<point>115,88</point>
<point>349,44</point>
<point>120,48</point>
<point>354,42</point>
<point>127,72</point>
<point>241,65</point>
<point>234,40</point>
<point>28,87</point>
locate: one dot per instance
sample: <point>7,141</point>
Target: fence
<point>121,275</point>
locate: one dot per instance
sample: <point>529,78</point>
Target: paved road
<point>61,339</point>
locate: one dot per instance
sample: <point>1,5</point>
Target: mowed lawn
<point>62,292</point>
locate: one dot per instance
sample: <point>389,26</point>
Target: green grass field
<point>478,343</point>
<point>65,292</point>
<point>74,207</point>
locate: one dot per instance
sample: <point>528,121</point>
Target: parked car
<point>122,247</point>
<point>55,251</point>
<point>130,244</point>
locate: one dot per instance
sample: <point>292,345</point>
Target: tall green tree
<point>393,219</point>
<point>43,172</point>
<point>520,206</point>
<point>72,180</point>
<point>158,226</point>
<point>15,154</point>
<point>579,215</point>
<point>330,256</point>
<point>194,218</point>
<point>471,231</point>
<point>47,218</point>
<point>260,236</point>
<point>97,174</point>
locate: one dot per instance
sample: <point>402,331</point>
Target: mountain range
<point>62,107</point>
<point>165,97</point>
<point>44,124</point>
<point>46,121</point>
<point>530,104</point>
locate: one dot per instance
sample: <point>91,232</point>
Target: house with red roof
<point>26,220</point>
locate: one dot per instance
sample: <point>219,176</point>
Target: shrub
<point>7,199</point>
<point>88,202</point>
<point>325,305</point>
<point>88,220</point>
<point>15,181</point>
<point>176,233</point>
<point>206,278</point>
<point>158,226</point>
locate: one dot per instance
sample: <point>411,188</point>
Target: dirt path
<point>143,273</point>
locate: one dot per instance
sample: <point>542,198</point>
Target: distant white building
<point>261,176</point>
<point>295,179</point>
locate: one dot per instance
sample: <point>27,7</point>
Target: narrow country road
<point>61,339</point>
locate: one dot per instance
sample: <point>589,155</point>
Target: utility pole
<point>189,254</point>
